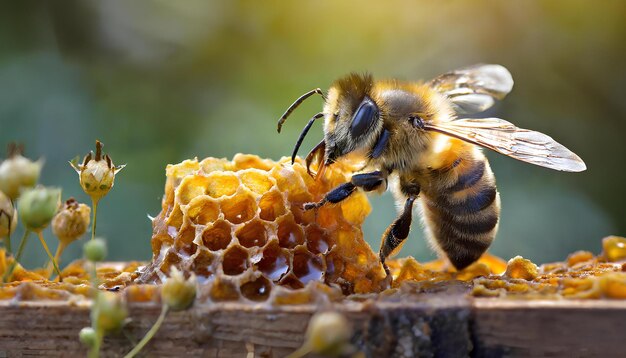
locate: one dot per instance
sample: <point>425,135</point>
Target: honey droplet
<point>274,263</point>
<point>316,239</point>
<point>257,290</point>
<point>292,282</point>
<point>307,267</point>
<point>290,234</point>
<point>614,248</point>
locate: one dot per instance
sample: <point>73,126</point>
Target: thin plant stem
<point>60,249</point>
<point>150,333</point>
<point>45,247</point>
<point>94,352</point>
<point>10,218</point>
<point>20,250</point>
<point>300,352</point>
<point>8,240</point>
<point>93,223</point>
<point>57,255</point>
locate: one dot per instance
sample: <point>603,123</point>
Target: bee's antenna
<point>305,130</point>
<point>296,104</point>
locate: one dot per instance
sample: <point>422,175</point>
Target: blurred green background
<point>162,81</point>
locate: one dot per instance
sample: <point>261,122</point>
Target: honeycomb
<point>240,227</point>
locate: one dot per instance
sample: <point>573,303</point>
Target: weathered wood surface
<point>440,326</point>
<point>563,328</point>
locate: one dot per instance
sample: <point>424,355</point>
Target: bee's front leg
<point>367,181</point>
<point>396,233</point>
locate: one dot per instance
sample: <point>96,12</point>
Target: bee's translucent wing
<point>504,137</point>
<point>474,89</point>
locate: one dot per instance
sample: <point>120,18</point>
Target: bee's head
<point>352,117</point>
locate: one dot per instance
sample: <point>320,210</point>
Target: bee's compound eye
<point>364,117</point>
<point>417,122</point>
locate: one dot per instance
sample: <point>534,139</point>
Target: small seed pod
<point>95,250</point>
<point>111,313</point>
<point>71,222</point>
<point>18,172</point>
<point>96,173</point>
<point>177,293</point>
<point>8,216</point>
<point>38,206</point>
<point>88,337</point>
<point>328,333</point>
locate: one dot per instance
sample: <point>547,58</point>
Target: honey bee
<point>413,137</point>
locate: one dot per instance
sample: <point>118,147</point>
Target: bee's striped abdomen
<point>462,215</point>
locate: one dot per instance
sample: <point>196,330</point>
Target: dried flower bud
<point>178,293</point>
<point>88,337</point>
<point>95,250</point>
<point>96,174</point>
<point>110,314</point>
<point>18,172</point>
<point>328,333</point>
<point>38,206</point>
<point>71,222</point>
<point>8,216</point>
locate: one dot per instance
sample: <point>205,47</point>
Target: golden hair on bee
<point>354,86</point>
<point>413,135</point>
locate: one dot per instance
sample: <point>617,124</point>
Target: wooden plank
<point>425,325</point>
<point>565,328</point>
<point>390,329</point>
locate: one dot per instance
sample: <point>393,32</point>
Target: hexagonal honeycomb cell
<point>239,226</point>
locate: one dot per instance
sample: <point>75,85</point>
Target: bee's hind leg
<point>367,181</point>
<point>396,233</point>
